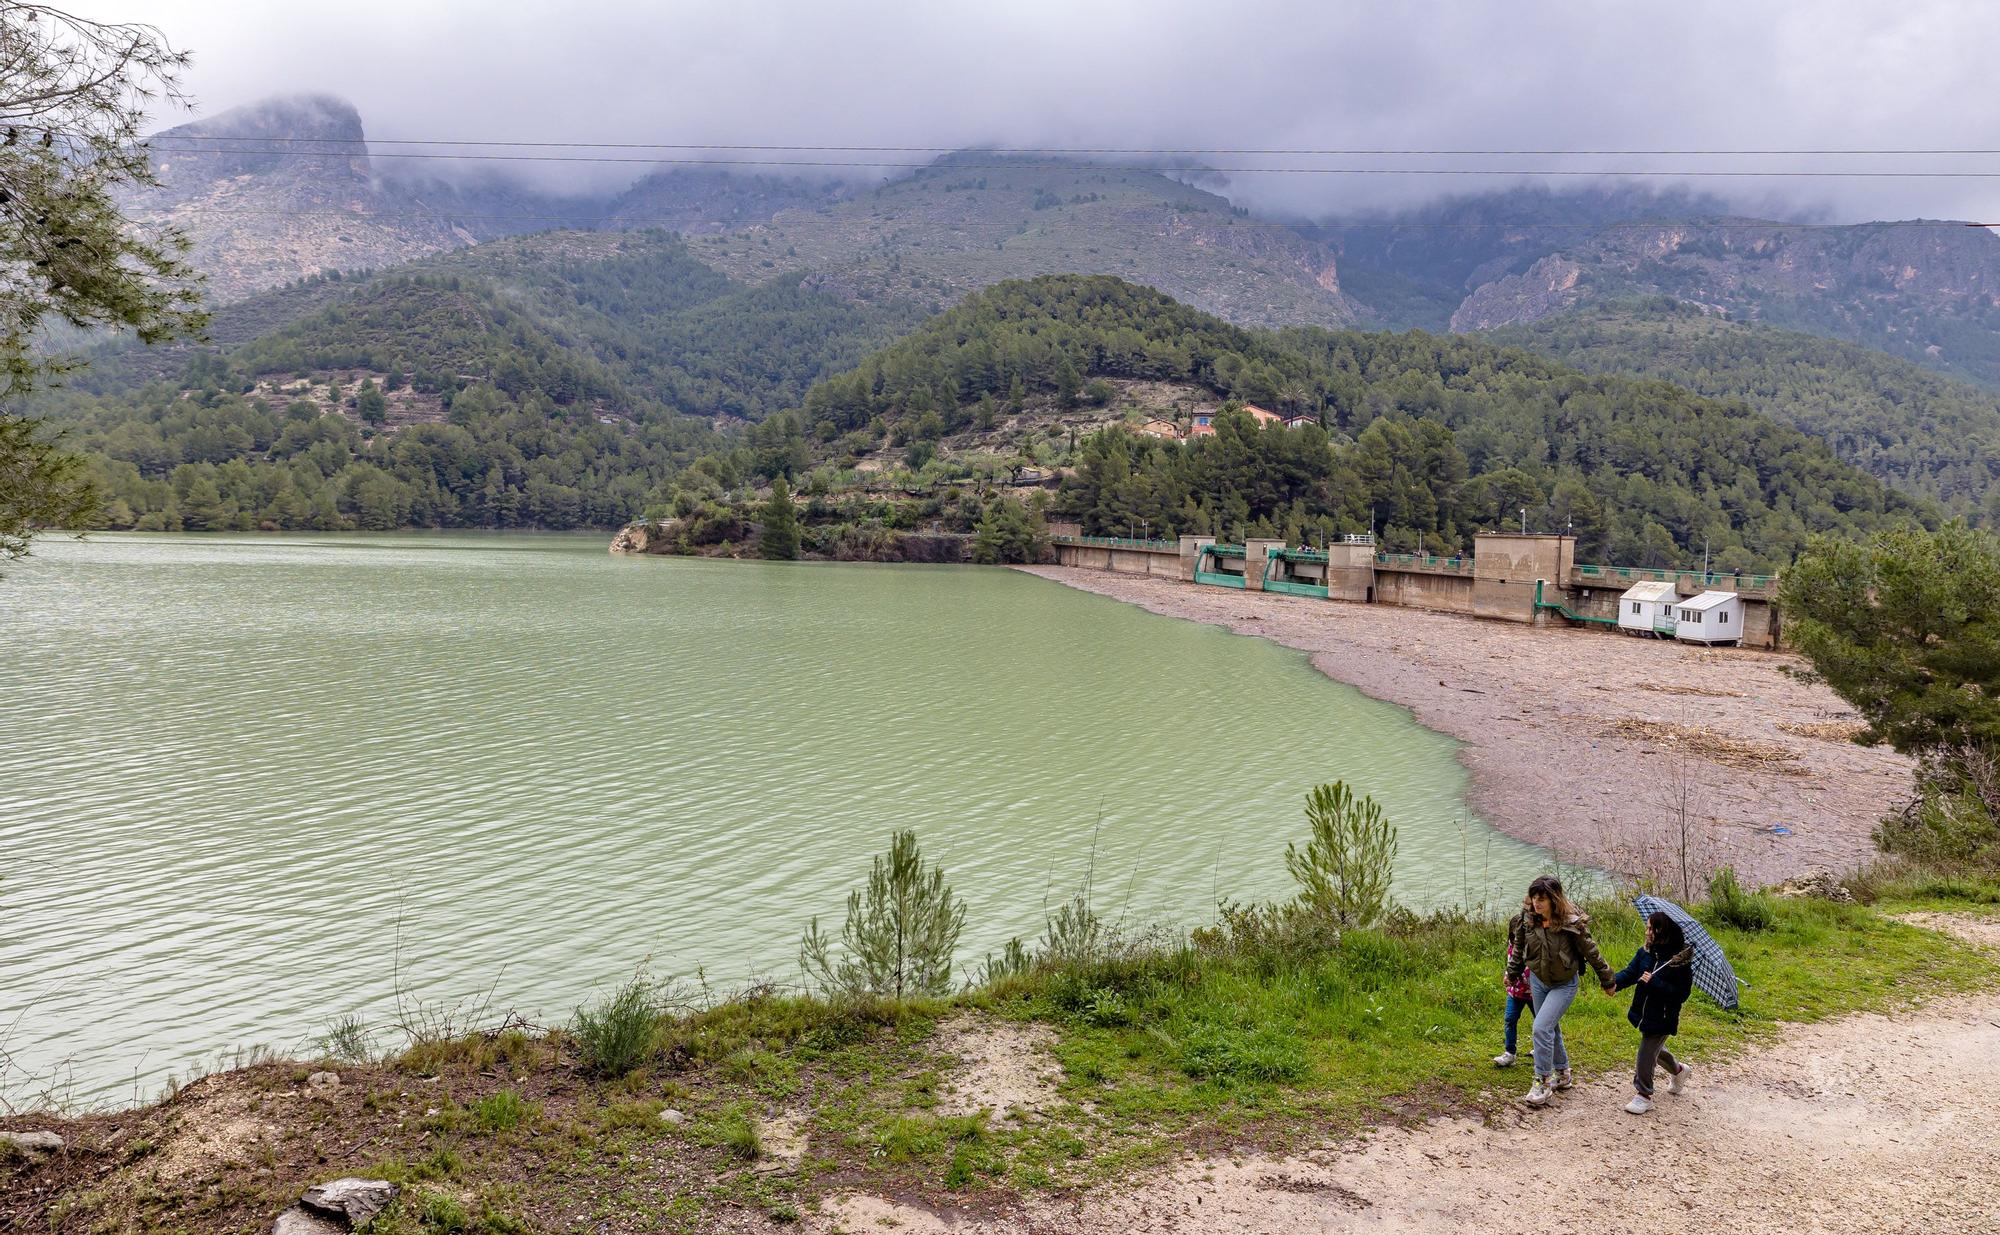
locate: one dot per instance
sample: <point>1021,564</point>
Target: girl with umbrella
<point>1661,976</point>
<point>1554,946</point>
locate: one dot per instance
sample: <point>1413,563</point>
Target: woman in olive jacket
<point>1553,944</point>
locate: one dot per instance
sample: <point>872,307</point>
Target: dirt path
<point>1870,1123</point>
<point>1587,742</point>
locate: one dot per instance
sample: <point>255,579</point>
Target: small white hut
<point>1711,617</point>
<point>1648,609</point>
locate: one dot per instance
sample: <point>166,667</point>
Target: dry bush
<point>1714,747</point>
<point>1703,691</point>
<point>1824,730</point>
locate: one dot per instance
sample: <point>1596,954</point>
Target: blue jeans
<point>1551,1056</point>
<point>1515,1005</point>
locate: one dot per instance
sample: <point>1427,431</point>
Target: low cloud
<point>1702,76</point>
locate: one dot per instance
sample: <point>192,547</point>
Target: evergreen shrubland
<point>551,417</point>
<point>1906,629</point>
<point>1927,434</point>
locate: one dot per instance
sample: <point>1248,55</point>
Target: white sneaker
<point>1540,1092</point>
<point>1678,1081</point>
<point>1564,1080</point>
<point>1505,1059</point>
<point>1639,1105</point>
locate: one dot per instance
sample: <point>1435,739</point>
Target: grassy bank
<point>740,1115</point>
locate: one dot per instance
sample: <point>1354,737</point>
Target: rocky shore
<point>1595,745</point>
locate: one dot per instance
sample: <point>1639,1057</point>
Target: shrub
<point>1731,905</point>
<point>1345,869</point>
<point>1268,935</point>
<point>1012,962</point>
<point>900,931</point>
<point>347,1040</point>
<point>1075,936</point>
<point>616,1036</point>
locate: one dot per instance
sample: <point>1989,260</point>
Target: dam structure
<point>1511,576</point>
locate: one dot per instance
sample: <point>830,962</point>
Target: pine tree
<point>779,540</point>
<point>900,932</point>
<point>369,402</point>
<point>1344,871</point>
<point>68,253</point>
<point>1007,532</point>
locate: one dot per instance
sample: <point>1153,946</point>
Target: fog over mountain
<point>1267,75</point>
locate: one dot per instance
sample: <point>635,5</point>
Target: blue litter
<point>1779,829</point>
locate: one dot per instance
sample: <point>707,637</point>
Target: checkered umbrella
<point>1712,973</point>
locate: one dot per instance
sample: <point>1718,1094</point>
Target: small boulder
<point>32,1142</point>
<point>299,1221</point>
<point>1817,885</point>
<point>672,1118</point>
<point>323,1082</point>
<point>356,1200</point>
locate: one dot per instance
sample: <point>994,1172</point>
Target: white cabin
<point>1712,617</point>
<point>1648,609</point>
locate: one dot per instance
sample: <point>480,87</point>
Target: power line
<point>448,215</point>
<point>1357,151</point>
<point>1694,173</point>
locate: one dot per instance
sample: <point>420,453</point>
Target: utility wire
<point>1696,173</point>
<point>1136,150</point>
<point>444,214</point>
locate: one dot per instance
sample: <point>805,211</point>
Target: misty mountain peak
<point>314,116</point>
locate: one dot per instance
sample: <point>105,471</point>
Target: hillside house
<point>1166,429</point>
<point>1299,420</point>
<point>1204,421</point>
<point>1711,617</point>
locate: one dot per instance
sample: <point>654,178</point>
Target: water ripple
<point>260,779</point>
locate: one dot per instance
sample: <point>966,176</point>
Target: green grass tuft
<point>617,1036</point>
<point>502,1111</point>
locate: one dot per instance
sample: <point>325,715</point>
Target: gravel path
<point>1587,742</point>
<point>1869,1123</point>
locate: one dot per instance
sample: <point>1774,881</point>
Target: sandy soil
<point>1870,1123</point>
<point>1002,1067</point>
<point>1575,739</point>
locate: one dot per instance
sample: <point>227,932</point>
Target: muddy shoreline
<point>1592,744</point>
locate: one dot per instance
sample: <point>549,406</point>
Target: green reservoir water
<point>253,784</point>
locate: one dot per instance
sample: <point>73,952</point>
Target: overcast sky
<point>1315,74</point>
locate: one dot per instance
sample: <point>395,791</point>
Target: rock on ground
<point>299,1221</point>
<point>356,1200</point>
<point>32,1142</point>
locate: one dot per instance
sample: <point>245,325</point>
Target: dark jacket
<point>1656,1005</point>
<point>1555,953</point>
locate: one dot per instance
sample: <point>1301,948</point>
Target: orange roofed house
<point>1204,422</point>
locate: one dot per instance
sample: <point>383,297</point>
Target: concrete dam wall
<point>1510,577</point>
